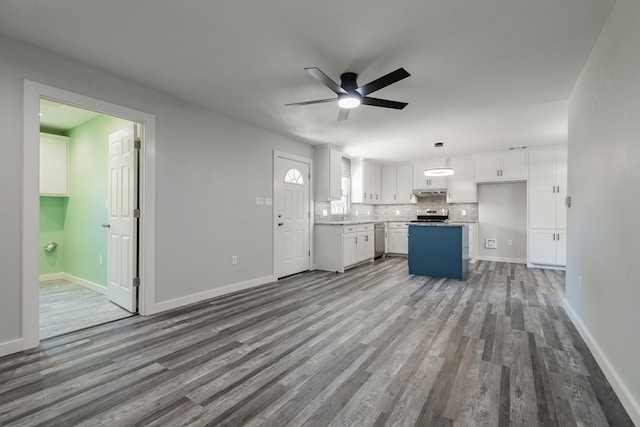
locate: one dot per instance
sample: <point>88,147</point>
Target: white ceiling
<point>485,75</point>
<point>62,117</point>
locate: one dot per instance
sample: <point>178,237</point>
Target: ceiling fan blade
<point>319,101</point>
<point>325,80</point>
<point>383,81</point>
<point>343,114</point>
<point>376,102</point>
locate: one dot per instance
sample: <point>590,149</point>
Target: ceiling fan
<point>350,95</point>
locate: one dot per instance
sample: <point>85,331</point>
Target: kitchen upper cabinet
<point>422,182</point>
<point>397,184</point>
<point>365,182</point>
<point>501,166</point>
<point>328,167</point>
<point>54,165</point>
<point>548,188</point>
<point>461,186</point>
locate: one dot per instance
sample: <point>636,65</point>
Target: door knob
<point>280,224</point>
<point>106,225</point>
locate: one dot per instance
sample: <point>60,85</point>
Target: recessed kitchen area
<point>510,206</point>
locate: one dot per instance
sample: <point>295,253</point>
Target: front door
<point>291,215</point>
<point>122,224</point>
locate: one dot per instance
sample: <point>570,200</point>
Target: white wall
<point>502,214</point>
<point>209,171</point>
<point>604,176</point>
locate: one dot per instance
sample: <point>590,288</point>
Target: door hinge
<point>136,213</point>
<point>136,281</point>
<point>137,144</point>
<point>309,252</point>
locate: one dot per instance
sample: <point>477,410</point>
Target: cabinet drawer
<point>349,229</point>
<point>398,225</point>
<point>364,227</point>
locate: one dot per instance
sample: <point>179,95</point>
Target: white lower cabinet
<point>398,238</point>
<point>547,247</point>
<point>338,247</point>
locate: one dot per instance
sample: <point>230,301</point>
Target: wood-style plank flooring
<point>371,347</point>
<point>66,306</point>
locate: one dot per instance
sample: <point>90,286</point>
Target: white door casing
<point>122,224</point>
<point>291,215</point>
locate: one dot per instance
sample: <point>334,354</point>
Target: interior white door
<point>291,215</point>
<point>122,225</point>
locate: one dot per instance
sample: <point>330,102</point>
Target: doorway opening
<point>33,93</point>
<point>80,190</point>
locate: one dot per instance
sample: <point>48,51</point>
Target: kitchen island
<point>439,250</point>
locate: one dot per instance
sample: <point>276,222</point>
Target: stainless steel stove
<point>432,215</point>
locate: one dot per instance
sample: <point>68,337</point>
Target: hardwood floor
<point>370,347</point>
<point>67,306</point>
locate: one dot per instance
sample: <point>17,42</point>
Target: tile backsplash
<point>407,212</point>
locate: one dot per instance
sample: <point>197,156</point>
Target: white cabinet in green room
<point>54,165</point>
<point>397,184</point>
<point>501,166</point>
<point>422,182</point>
<point>461,186</point>
<point>547,189</point>
<point>328,171</point>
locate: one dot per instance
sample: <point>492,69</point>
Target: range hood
<point>430,192</point>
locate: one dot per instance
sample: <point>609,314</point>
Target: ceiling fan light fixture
<point>348,101</point>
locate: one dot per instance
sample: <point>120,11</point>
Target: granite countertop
<point>438,224</point>
<point>352,222</point>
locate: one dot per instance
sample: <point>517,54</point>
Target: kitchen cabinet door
<point>328,171</point>
<point>398,240</point>
<point>365,246</point>
<point>349,249</point>
<point>422,182</point>
<point>461,186</point>
<point>389,184</point>
<point>501,166</point>
<point>54,165</point>
<point>542,247</point>
<point>404,184</point>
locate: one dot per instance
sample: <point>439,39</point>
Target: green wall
<point>52,216</point>
<point>83,236</point>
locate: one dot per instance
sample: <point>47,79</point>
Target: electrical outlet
<point>234,259</point>
<point>397,211</point>
<point>324,212</point>
<point>580,282</point>
<point>100,259</point>
<point>368,212</point>
<point>464,212</point>
<point>509,242</point>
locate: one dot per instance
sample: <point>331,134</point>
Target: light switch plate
<point>268,201</point>
<point>259,201</point>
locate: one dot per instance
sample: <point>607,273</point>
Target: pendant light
<point>439,171</point>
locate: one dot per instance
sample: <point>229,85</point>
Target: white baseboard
<point>211,293</point>
<point>85,283</point>
<point>501,259</point>
<point>11,347</point>
<point>52,276</point>
<point>547,267</point>
<point>627,399</point>
<point>77,280</point>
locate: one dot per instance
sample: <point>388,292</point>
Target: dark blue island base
<point>439,250</point>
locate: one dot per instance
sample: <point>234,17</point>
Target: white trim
<point>32,92</point>
<point>501,259</point>
<point>85,283</point>
<point>623,393</point>
<point>547,267</point>
<point>211,293</point>
<point>11,347</point>
<point>301,159</point>
<point>52,276</point>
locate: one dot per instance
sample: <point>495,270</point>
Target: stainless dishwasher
<point>380,237</point>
